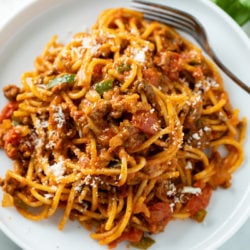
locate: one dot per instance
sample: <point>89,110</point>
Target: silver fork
<point>187,23</point>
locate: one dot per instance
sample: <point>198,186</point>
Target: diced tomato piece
<point>160,215</point>
<point>171,64</point>
<point>97,73</point>
<point>8,110</point>
<point>152,76</point>
<point>201,201</point>
<point>146,122</point>
<point>11,142</point>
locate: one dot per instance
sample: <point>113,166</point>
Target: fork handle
<point>229,73</point>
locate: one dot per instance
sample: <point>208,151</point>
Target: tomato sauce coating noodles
<point>125,128</point>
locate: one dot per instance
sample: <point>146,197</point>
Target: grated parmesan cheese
<point>78,188</point>
<point>172,205</point>
<point>189,165</point>
<point>57,169</point>
<point>93,180</point>
<point>171,190</point>
<point>191,190</point>
<point>207,129</point>
<point>50,145</point>
<point>48,196</point>
<point>196,136</point>
<point>152,111</point>
<point>140,56</point>
<point>86,42</point>
<point>59,116</point>
<point>90,44</point>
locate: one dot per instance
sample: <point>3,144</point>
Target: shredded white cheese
<point>206,129</point>
<point>191,190</point>
<point>189,165</point>
<point>172,205</point>
<point>140,56</point>
<point>196,136</point>
<point>48,196</point>
<point>50,145</point>
<point>87,42</point>
<point>93,180</point>
<point>91,44</point>
<point>59,116</point>
<point>171,190</point>
<point>78,188</point>
<point>54,188</point>
<point>57,169</point>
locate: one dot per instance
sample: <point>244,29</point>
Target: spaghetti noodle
<point>123,128</point>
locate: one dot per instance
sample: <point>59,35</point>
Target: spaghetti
<point>123,128</point>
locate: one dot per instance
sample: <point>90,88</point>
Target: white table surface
<point>240,241</point>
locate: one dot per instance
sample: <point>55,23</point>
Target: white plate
<point>24,37</point>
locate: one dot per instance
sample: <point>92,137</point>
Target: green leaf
<point>245,3</point>
<point>239,10</point>
<point>66,78</point>
<point>103,86</point>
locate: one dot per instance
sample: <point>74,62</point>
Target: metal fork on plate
<point>187,23</point>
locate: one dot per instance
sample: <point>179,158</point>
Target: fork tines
<point>165,14</point>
